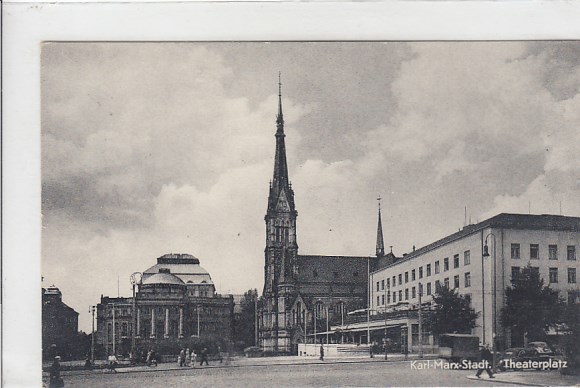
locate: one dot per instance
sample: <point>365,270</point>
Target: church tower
<point>280,267</point>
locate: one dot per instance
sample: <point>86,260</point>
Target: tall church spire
<point>380,241</point>
<point>280,117</point>
<point>280,181</point>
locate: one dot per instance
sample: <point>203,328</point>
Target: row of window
<point>552,251</point>
<point>552,274</point>
<point>437,269</point>
<point>429,291</point>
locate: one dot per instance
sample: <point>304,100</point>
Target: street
<point>368,374</point>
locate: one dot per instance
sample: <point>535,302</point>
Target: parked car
<point>507,355</point>
<point>543,350</point>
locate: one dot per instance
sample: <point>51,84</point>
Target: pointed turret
<point>380,241</point>
<point>280,183</point>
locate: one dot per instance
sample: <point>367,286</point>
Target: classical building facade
<point>60,325</point>
<point>176,299</point>
<point>479,261</point>
<point>303,294</point>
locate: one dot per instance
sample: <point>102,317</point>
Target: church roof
<point>335,269</point>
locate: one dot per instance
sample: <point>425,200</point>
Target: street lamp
<point>92,310</point>
<point>136,278</point>
<point>493,311</point>
<point>387,289</point>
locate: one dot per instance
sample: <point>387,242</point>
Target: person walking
<point>187,357</point>
<point>181,358</point>
<point>55,379</point>
<point>204,357</point>
<point>193,358</point>
<point>486,362</point>
<point>321,352</point>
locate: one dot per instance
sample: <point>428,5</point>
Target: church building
<point>305,294</point>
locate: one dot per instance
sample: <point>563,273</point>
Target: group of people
<point>187,358</point>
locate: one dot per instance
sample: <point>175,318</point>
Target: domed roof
<point>163,278</point>
<point>186,267</point>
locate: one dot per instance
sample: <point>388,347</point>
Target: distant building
<point>59,325</point>
<point>175,301</point>
<point>304,294</point>
<point>548,243</point>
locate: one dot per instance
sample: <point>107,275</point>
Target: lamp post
<point>385,312</point>
<point>197,310</point>
<point>420,322</point>
<point>494,301</point>
<point>92,310</point>
<point>135,281</point>
<point>369,307</point>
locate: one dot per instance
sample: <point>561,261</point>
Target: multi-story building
<point>479,261</point>
<point>176,299</point>
<point>59,325</point>
<point>303,294</point>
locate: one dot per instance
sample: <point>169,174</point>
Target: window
<point>388,283</point>
<point>572,297</point>
<point>553,275</point>
<point>383,299</point>
<point>429,288</point>
<point>383,284</point>
<point>406,294</point>
<point>436,267</point>
<point>534,251</point>
<point>468,298</point>
<point>420,272</point>
<point>394,297</point>
<point>446,282</point>
<point>378,285</point>
<point>378,298</point>
<point>571,275</point>
<point>400,295</point>
<point>420,289</point>
<point>456,281</point>
<point>400,279</point>
<point>428,269</point>
<point>388,296</point>
<point>553,252</point>
<point>468,279</point>
<point>515,272</point>
<point>446,264</point>
<point>456,261</point>
<point>406,277</point>
<point>394,281</point>
<point>413,275</point>
<point>413,293</point>
<point>571,255</point>
<point>515,251</point>
<point>466,258</point>
<point>437,285</point>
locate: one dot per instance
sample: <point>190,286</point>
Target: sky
<point>154,148</point>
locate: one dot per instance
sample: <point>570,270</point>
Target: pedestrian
<point>321,352</point>
<point>204,357</point>
<point>187,357</point>
<point>151,358</point>
<point>193,358</point>
<point>181,358</point>
<point>112,363</point>
<point>220,357</point>
<point>486,362</point>
<point>55,379</point>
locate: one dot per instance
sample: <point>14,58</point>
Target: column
<point>153,322</point>
<point>180,322</point>
<point>166,322</point>
<point>138,333</point>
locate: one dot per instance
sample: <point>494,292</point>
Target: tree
<point>452,313</point>
<point>530,306</point>
<point>245,320</point>
<point>571,340</point>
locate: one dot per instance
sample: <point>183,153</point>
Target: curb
<point>314,362</point>
<point>496,380</point>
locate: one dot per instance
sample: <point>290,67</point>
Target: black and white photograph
<point>325,211</point>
